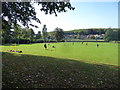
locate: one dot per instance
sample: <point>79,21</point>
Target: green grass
<point>107,53</point>
<point>68,65</point>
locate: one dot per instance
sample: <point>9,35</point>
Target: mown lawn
<point>68,65</point>
<point>106,53</point>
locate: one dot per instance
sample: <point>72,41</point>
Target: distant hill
<point>89,31</point>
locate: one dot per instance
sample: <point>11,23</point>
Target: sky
<point>85,15</point>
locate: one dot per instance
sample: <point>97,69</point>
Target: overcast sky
<point>85,15</point>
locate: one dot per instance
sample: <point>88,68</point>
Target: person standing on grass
<point>97,45</point>
<point>86,43</point>
<point>45,46</point>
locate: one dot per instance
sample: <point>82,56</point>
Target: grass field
<point>106,53</point>
<point>67,65</point>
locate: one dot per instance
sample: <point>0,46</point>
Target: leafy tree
<point>101,32</point>
<point>6,32</point>
<point>82,33</point>
<point>90,31</point>
<point>86,32</point>
<point>38,35</point>
<point>24,34</point>
<point>78,36</point>
<point>30,34</point>
<point>93,37</point>
<point>59,34</point>
<point>14,11</point>
<point>51,36</point>
<point>44,33</point>
<point>115,35</point>
<point>17,33</point>
<point>108,35</point>
<point>112,35</point>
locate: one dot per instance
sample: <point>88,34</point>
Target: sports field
<point>67,65</point>
<point>106,53</point>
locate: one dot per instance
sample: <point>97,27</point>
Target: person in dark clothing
<point>45,46</point>
<point>97,45</point>
<point>53,46</point>
<point>20,52</point>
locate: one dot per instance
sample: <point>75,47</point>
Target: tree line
<point>110,34</point>
<point>19,35</point>
<point>27,35</point>
<point>87,31</point>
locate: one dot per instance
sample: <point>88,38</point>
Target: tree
<point>59,34</point>
<point>51,36</point>
<point>90,31</point>
<point>12,14</point>
<point>101,31</point>
<point>30,34</point>
<point>14,11</point>
<point>93,37</point>
<point>17,33</point>
<point>82,33</point>
<point>6,32</point>
<point>116,35</point>
<point>38,35</point>
<point>44,33</point>
<point>108,35</point>
<point>112,35</point>
<point>24,34</point>
<point>78,36</point>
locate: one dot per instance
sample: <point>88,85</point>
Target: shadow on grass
<point>29,71</point>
